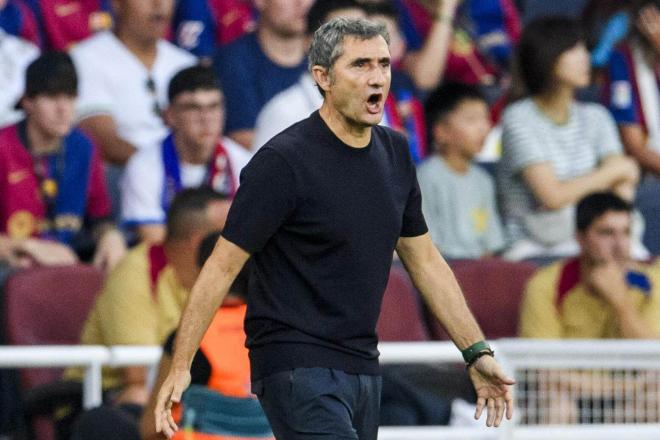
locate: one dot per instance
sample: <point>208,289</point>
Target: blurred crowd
<point>535,129</point>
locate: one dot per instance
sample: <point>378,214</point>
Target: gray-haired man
<point>321,208</point>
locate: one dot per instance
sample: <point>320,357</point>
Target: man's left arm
<point>435,280</point>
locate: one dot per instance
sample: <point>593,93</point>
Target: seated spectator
<point>633,92</point>
<point>220,371</point>
<point>602,293</point>
<point>201,26</point>
<point>257,66</point>
<point>15,55</point>
<point>64,24</point>
<point>297,102</point>
<point>124,76</point>
<point>53,199</point>
<point>194,154</point>
<point>18,20</point>
<point>458,196</point>
<point>555,150</point>
<point>467,42</point>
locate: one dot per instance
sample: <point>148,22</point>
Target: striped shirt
<point>573,149</point>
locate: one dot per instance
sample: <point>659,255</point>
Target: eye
<point>359,63</point>
<point>385,63</point>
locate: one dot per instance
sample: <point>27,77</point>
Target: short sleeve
<point>94,97</point>
<point>519,141</point>
<point>142,188</point>
<point>413,219</point>
<point>621,97</point>
<point>266,197</point>
<point>194,26</point>
<point>608,140</point>
<point>539,316</point>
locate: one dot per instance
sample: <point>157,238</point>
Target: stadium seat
<point>531,9</point>
<point>48,305</point>
<point>493,289</point>
<point>401,316</point>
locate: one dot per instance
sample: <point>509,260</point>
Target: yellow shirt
<point>140,304</point>
<point>556,305</point>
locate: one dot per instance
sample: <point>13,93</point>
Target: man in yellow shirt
<point>142,298</point>
<point>600,294</point>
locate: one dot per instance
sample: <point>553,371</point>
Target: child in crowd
<point>458,196</point>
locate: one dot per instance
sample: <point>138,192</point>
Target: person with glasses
<point>193,154</point>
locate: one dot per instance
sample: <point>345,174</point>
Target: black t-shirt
<point>321,220</point>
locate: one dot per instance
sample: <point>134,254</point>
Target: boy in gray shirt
<point>458,197</point>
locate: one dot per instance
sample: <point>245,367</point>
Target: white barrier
<point>519,357</point>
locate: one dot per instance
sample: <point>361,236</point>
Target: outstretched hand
<point>169,394</point>
<point>493,389</point>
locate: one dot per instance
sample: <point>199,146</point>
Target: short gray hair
<point>328,42</point>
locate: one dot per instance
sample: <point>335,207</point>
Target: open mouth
<point>374,102</point>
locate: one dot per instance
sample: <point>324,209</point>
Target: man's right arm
<point>103,130</point>
<point>207,294</point>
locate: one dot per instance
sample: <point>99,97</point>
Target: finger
<point>160,409</point>
<point>170,421</point>
<point>490,416</point>
<point>480,407</point>
<point>499,407</point>
<point>167,429</point>
<point>509,405</point>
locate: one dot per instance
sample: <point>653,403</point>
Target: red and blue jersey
<point>17,19</point>
<point>50,196</point>
<point>64,23</point>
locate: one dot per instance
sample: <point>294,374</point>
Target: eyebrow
<point>367,60</point>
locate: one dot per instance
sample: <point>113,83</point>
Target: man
<point>602,293</point>
<point>194,154</point>
<point>53,198</point>
<point>142,299</point>
<point>260,64</point>
<point>321,209</point>
<point>124,76</point>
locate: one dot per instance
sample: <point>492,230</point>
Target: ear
<point>168,115</point>
<point>321,76</point>
<point>439,133</point>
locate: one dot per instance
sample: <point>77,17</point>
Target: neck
<point>556,105</point>
<point>189,153</point>
<point>182,258</point>
<point>456,161</point>
<point>349,133</point>
<point>144,50</point>
<point>285,51</point>
<point>40,142</point>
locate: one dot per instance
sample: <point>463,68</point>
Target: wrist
<point>475,351</point>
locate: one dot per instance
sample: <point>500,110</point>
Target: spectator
<point>124,76</point>
<point>15,55</point>
<point>460,41</point>
<point>257,66</point>
<point>201,26</point>
<point>303,98</point>
<point>64,24</point>
<point>633,95</point>
<point>403,110</point>
<point>459,197</point>
<point>221,366</point>
<point>600,294</point>
<point>53,199</point>
<point>18,20</point>
<point>194,154</point>
<point>555,150</point>
<point>142,299</point>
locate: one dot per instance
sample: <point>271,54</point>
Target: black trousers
<point>320,404</point>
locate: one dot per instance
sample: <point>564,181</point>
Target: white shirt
<point>286,108</point>
<point>143,181</point>
<point>113,81</point>
<point>15,55</point>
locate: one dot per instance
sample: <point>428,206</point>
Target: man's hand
<point>170,393</point>
<point>493,390</point>
<point>109,250</point>
<point>607,280</point>
<point>46,252</point>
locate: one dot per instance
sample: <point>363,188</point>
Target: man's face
<point>359,81</point>
<point>197,119</point>
<point>147,19</point>
<point>607,239</point>
<point>287,18</point>
<point>465,128</point>
<point>53,115</point>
